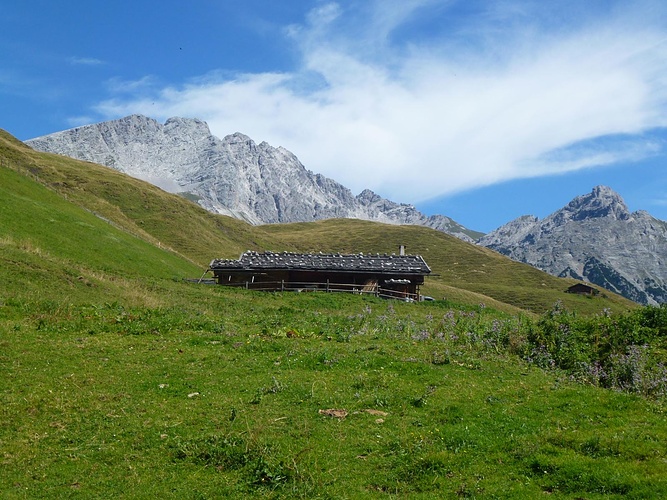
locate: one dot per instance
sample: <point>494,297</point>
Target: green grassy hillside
<point>464,272</point>
<point>53,248</point>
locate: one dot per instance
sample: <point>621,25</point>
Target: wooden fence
<point>372,288</point>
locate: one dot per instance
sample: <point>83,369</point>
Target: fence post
<point>282,285</point>
<point>246,285</point>
<point>327,285</point>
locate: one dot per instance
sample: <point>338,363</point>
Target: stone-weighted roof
<point>375,263</point>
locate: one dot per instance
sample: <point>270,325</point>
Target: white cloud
<point>416,119</point>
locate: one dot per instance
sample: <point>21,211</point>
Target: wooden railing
<point>283,286</point>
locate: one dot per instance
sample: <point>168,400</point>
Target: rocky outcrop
<point>596,239</point>
<point>233,175</point>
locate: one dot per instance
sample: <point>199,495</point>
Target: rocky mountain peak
<point>602,201</point>
<point>596,239</point>
<point>191,124</point>
<point>238,137</point>
<point>136,123</point>
<point>134,119</point>
<point>366,197</point>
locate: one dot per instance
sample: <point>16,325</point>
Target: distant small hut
<point>583,289</point>
<point>395,276</point>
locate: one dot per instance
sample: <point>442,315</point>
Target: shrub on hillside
<point>624,352</point>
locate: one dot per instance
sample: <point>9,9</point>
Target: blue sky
<point>479,110</point>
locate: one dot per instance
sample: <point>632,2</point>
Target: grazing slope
<point>50,247</point>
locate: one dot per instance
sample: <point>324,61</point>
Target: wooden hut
<point>392,275</point>
<point>583,289</point>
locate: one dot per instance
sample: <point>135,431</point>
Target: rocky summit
<point>234,176</point>
<point>594,238</point>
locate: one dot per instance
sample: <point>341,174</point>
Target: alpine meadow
<point>125,376</point>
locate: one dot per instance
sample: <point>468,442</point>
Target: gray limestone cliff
<point>233,175</point>
<point>594,238</point>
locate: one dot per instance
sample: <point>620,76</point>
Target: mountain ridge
<point>233,176</point>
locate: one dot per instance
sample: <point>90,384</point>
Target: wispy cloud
<point>132,87</point>
<point>16,83</point>
<point>86,61</point>
<point>78,121</point>
<point>659,202</point>
<point>491,94</point>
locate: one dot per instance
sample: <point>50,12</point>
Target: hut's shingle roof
<point>401,264</point>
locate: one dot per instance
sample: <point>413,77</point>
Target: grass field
<point>226,393</point>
